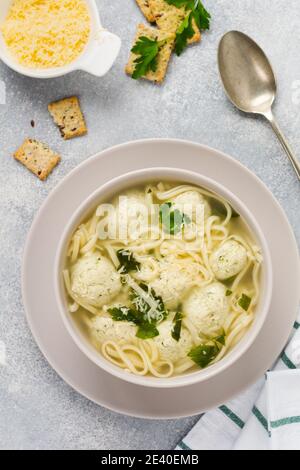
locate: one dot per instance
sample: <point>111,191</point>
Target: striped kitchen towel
<point>257,419</point>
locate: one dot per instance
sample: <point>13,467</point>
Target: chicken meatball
<point>169,348</point>
<point>228,260</point>
<point>192,200</point>
<point>95,280</point>
<point>132,216</point>
<point>207,307</point>
<point>173,282</point>
<point>106,329</point>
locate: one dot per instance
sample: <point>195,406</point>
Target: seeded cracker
<point>146,10</point>
<point>163,56</point>
<point>37,157</point>
<point>169,18</point>
<point>68,117</point>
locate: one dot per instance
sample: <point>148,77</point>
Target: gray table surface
<point>37,409</point>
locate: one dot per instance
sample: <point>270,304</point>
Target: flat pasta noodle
<point>136,359</point>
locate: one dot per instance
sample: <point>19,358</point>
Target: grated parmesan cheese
<point>46,33</point>
<point>145,298</point>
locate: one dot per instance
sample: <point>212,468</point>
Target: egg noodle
<point>183,269</point>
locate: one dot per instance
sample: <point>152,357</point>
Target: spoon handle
<point>294,161</point>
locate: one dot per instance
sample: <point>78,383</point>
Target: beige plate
<point>44,318</point>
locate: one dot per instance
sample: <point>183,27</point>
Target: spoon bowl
<point>249,81</point>
<point>247,74</point>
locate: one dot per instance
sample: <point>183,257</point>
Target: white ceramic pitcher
<point>97,58</point>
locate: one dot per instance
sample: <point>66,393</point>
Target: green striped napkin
<point>257,419</point>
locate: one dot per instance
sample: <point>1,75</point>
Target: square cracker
<point>37,157</point>
<point>163,56</point>
<point>68,117</point>
<point>169,18</point>
<point>146,10</point>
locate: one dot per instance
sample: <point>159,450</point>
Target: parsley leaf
<point>221,339</point>
<point>127,261</point>
<point>244,302</point>
<point>142,306</point>
<point>147,331</point>
<point>195,13</point>
<point>205,353</point>
<point>172,220</point>
<point>228,282</point>
<point>147,50</point>
<point>138,314</point>
<point>201,16</point>
<point>124,314</point>
<point>176,332</point>
<point>184,33</point>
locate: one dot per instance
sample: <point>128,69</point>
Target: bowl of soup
<point>163,277</point>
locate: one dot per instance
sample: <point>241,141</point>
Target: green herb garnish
<point>219,209</point>
<point>127,261</point>
<point>184,33</point>
<point>145,330</point>
<point>147,61</point>
<point>172,220</point>
<point>205,353</point>
<point>228,293</point>
<point>221,339</point>
<point>124,314</point>
<point>244,302</point>
<point>202,16</point>
<point>176,332</point>
<point>138,314</point>
<point>142,306</point>
<point>196,13</point>
<point>228,282</point>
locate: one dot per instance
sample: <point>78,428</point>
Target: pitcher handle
<point>102,54</point>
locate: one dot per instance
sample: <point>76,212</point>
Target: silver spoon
<point>249,81</point>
